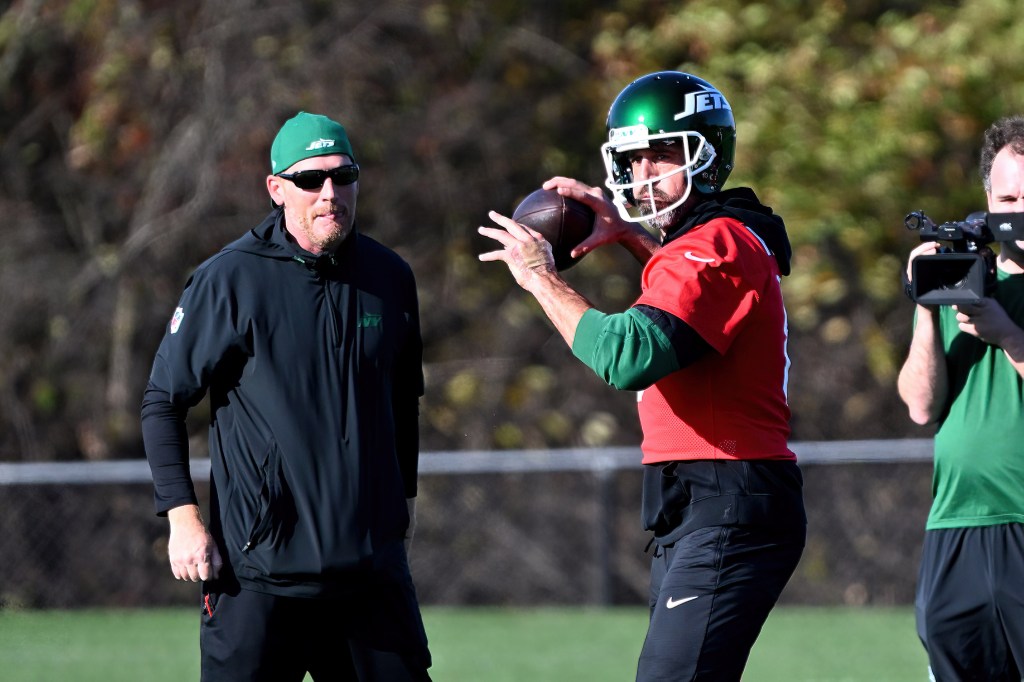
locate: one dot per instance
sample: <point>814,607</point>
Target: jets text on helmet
<point>696,102</point>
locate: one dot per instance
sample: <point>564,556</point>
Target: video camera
<point>965,271</point>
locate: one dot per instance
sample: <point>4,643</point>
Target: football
<point>563,221</point>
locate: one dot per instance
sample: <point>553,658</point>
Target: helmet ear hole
<point>621,168</point>
<point>695,145</point>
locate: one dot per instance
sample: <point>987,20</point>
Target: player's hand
<point>191,549</point>
<point>526,253</point>
<point>609,227</point>
<point>986,320</point>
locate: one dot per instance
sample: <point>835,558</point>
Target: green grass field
<point>474,645</point>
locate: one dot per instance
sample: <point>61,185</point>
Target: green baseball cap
<point>307,135</point>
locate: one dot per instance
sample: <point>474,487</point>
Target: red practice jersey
<point>721,279</point>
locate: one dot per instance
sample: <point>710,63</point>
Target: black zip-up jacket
<point>314,370</point>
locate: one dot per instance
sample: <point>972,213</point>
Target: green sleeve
<point>627,350</point>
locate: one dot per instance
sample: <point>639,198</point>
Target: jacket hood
<point>742,204</point>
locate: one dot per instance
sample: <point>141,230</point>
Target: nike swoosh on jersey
<point>690,255</point>
<point>672,603</point>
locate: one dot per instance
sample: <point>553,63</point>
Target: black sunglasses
<point>311,180</point>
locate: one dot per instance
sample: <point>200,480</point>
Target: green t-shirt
<point>979,448</point>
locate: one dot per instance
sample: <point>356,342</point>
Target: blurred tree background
<point>135,135</point>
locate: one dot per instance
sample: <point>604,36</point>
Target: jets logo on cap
<point>320,144</point>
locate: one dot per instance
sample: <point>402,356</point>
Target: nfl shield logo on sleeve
<point>176,319</point>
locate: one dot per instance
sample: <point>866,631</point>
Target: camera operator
<point>965,373</point>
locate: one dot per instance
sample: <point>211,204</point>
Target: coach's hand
<point>193,553</point>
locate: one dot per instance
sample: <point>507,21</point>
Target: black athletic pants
<point>372,633</point>
<point>711,593</point>
<point>738,530</point>
<point>970,603</point>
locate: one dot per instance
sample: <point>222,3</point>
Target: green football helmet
<point>669,106</point>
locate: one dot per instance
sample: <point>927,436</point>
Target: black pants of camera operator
<point>970,603</point>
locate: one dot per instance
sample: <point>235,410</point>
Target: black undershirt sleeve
<point>166,443</point>
<point>689,346</point>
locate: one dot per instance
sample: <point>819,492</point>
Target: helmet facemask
<point>698,157</point>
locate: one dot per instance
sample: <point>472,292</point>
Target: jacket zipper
<point>332,310</point>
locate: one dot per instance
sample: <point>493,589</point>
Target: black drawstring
<point>657,548</point>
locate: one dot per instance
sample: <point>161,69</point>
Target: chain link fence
<point>495,528</point>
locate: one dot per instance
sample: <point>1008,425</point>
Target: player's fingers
<point>583,248</point>
<point>493,255</point>
<point>570,187</point>
<point>601,235</point>
<point>557,181</point>
<point>204,570</point>
<point>531,254</point>
<point>519,231</point>
<point>595,240</point>
<point>506,239</point>
<point>564,186</point>
<point>585,194</point>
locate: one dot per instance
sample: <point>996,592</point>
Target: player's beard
<point>666,221</point>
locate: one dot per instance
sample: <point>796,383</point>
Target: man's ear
<point>275,190</point>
